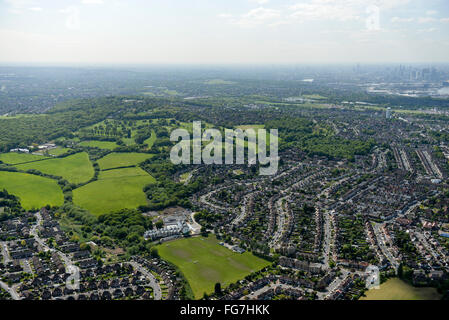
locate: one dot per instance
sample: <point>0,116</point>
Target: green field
<point>115,190</point>
<point>59,151</point>
<point>99,144</point>
<point>151,140</point>
<point>183,177</point>
<point>314,96</point>
<point>76,168</point>
<point>33,191</point>
<point>16,158</point>
<point>218,82</point>
<point>204,262</point>
<point>396,289</point>
<point>120,160</point>
<point>129,141</point>
<point>251,126</point>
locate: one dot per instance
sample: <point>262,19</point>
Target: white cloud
<point>92,2</point>
<point>444,20</point>
<point>259,1</point>
<point>73,18</point>
<point>324,10</point>
<point>387,4</point>
<point>426,19</point>
<point>36,9</point>
<point>340,10</point>
<point>258,16</point>
<point>17,6</point>
<point>225,15</point>
<point>19,3</point>
<point>262,14</point>
<point>428,30</point>
<point>398,19</point>
<point>431,12</point>
<point>280,23</point>
<point>318,10</point>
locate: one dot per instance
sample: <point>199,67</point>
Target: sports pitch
<point>204,262</point>
<point>396,289</point>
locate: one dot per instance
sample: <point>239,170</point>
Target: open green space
<point>204,262</point>
<point>109,145</point>
<point>396,289</point>
<point>171,92</point>
<point>58,151</point>
<point>34,192</point>
<point>183,177</point>
<point>120,160</point>
<point>16,158</point>
<point>218,82</point>
<point>314,96</point>
<point>129,141</point>
<point>76,168</point>
<point>251,126</point>
<point>151,140</point>
<point>115,190</point>
<point>111,128</point>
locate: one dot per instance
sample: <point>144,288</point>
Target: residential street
<point>153,281</point>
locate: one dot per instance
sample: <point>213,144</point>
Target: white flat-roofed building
<point>20,150</point>
<point>178,228</point>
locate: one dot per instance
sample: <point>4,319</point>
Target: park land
<point>204,262</point>
<point>396,289</point>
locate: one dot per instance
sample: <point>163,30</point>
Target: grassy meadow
<point>151,140</point>
<point>16,158</point>
<point>58,151</point>
<point>33,191</point>
<point>115,190</point>
<point>120,160</point>
<point>76,168</point>
<point>108,145</point>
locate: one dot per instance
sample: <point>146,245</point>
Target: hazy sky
<point>223,31</point>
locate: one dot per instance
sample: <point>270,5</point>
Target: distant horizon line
<point>205,65</point>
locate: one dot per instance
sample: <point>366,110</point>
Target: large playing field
<point>33,191</point>
<point>396,289</point>
<point>120,160</point>
<point>16,158</point>
<point>204,262</point>
<point>115,190</point>
<point>76,168</point>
